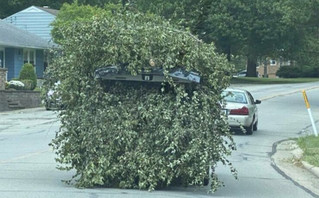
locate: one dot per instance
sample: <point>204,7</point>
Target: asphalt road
<point>27,166</point>
<point>282,115</point>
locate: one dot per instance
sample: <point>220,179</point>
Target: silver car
<point>52,99</point>
<point>241,109</point>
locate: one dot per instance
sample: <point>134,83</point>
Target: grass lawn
<point>255,80</point>
<point>310,146</point>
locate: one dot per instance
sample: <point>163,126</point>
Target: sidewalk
<point>287,158</point>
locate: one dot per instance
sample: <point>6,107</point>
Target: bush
<point>28,84</point>
<point>298,72</point>
<point>289,72</point>
<point>139,135</point>
<point>28,73</point>
<point>309,71</point>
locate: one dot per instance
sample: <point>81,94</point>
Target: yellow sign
<point>306,99</point>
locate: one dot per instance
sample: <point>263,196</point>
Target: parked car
<point>241,109</point>
<point>241,73</point>
<point>52,99</point>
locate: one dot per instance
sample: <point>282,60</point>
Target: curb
<point>313,169</point>
<point>297,154</point>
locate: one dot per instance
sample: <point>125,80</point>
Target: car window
<point>234,96</point>
<point>251,98</point>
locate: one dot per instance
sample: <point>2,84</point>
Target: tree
<point>71,14</point>
<point>139,135</point>
<point>305,47</point>
<point>221,22</point>
<point>254,28</point>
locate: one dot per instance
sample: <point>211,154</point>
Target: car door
<point>252,105</point>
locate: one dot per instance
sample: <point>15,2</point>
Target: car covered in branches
<point>179,75</point>
<point>141,104</point>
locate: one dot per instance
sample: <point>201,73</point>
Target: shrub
<point>28,84</point>
<point>298,72</point>
<point>28,73</point>
<point>289,72</point>
<point>139,135</point>
<point>309,71</point>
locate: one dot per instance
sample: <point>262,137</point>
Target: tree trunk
<point>251,66</point>
<point>228,52</point>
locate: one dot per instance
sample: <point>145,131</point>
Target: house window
<point>272,62</point>
<point>29,56</point>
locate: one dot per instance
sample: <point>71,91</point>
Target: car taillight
<point>242,111</point>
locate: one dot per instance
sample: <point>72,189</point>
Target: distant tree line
<point>254,29</point>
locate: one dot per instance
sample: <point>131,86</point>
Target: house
<point>34,19</point>
<point>269,70</point>
<point>17,47</point>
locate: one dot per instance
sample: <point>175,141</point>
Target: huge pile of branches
<point>138,134</point>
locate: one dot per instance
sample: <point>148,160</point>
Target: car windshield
<point>234,96</point>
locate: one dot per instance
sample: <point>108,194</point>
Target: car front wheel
<point>47,105</point>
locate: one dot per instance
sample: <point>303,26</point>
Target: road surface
<point>28,168</point>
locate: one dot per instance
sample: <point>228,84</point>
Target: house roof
<point>12,36</point>
<point>36,9</point>
<point>49,10</point>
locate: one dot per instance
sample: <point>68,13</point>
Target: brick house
<point>271,68</point>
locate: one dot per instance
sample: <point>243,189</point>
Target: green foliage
<point>310,146</point>
<point>289,72</point>
<point>239,62</point>
<point>28,73</point>
<point>70,14</point>
<point>298,72</point>
<point>251,28</point>
<point>28,84</point>
<point>310,71</point>
<point>139,135</point>
<point>184,12</point>
<point>255,29</point>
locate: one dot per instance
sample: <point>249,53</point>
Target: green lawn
<point>310,146</point>
<point>255,80</point>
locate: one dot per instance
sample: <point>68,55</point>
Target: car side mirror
<point>257,101</point>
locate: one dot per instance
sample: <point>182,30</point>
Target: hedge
<point>297,71</point>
